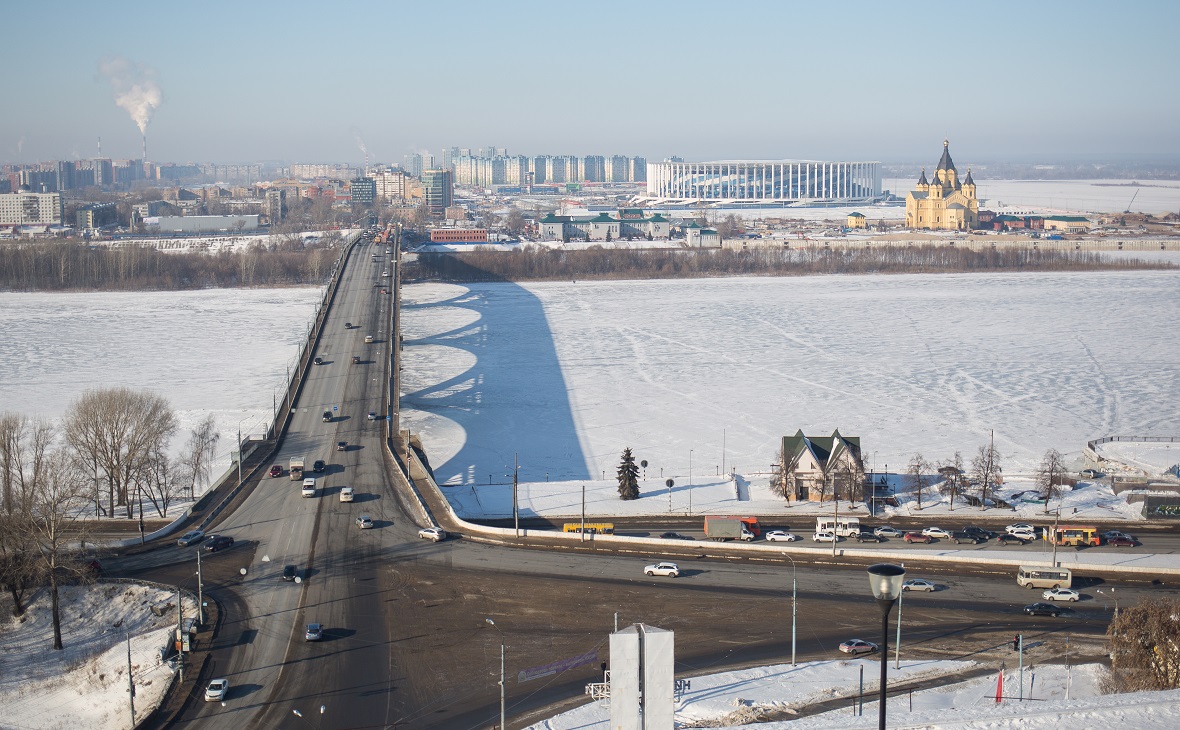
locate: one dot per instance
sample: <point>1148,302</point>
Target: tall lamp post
<point>793,594</point>
<point>885,580</point>
<point>503,685</point>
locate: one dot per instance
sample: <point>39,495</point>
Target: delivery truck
<point>296,468</point>
<point>727,528</point>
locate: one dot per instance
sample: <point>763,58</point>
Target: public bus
<point>1075,535</point>
<point>590,528</point>
<point>1035,576</point>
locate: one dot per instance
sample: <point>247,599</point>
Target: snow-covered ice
<point>565,375</point>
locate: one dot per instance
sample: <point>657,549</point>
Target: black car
<point>319,465</point>
<point>867,537</point>
<point>964,536</point>
<point>217,542</point>
<point>289,572</point>
<point>1043,609</point>
<point>319,361</point>
<point>327,417</point>
<point>1010,540</point>
<point>980,533</point>
<point>674,536</point>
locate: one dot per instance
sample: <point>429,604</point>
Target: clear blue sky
<point>300,81</point>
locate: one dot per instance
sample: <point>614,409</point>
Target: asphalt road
<point>407,641</point>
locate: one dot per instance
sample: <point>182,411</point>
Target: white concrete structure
<point>786,181</point>
<point>642,681</point>
<point>200,223</point>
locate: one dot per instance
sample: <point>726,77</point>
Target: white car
<point>364,522</point>
<point>887,531</point>
<point>671,570</point>
<point>858,646</point>
<point>1026,535</point>
<point>781,536</point>
<point>216,690</point>
<point>1061,594</point>
<point>346,494</point>
<point>826,536</point>
<point>372,415</point>
<point>918,584</point>
<point>1019,527</point>
<point>936,532</point>
<point>432,533</point>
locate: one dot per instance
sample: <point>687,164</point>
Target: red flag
<point>1000,687</point>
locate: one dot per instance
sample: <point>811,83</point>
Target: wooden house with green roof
<point>823,468</point>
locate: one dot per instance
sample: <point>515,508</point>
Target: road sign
<point>335,408</point>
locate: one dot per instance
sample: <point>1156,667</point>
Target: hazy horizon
<point>1068,82</point>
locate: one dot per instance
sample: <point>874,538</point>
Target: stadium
<point>784,182</point>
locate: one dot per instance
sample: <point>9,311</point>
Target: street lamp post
<point>793,595</point>
<point>885,579</point>
<point>503,685</point>
<point>690,482</point>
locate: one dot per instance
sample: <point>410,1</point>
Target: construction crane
<point>1128,210</point>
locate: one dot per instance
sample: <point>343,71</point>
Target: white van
<point>346,494</point>
<point>309,487</point>
<point>844,527</point>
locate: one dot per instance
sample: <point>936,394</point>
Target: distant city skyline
<point>245,82</point>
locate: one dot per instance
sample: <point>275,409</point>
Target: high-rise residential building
<point>594,168</point>
<point>364,191</point>
<point>637,171</point>
<point>392,184</point>
<point>438,188</point>
<point>25,207</point>
<point>104,171</point>
<point>275,200</point>
<point>555,169</point>
<point>616,168</point>
<point>538,167</point>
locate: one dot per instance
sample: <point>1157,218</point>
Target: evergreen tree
<point>628,476</point>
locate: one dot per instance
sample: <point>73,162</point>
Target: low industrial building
<point>1067,223</point>
<point>96,216</point>
<point>200,223</point>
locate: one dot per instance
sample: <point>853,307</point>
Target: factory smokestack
<point>145,147</point>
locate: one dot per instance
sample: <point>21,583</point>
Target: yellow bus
<point>590,528</point>
<point>1075,535</point>
<point>1035,576</point>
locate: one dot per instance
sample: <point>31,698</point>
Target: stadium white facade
<point>799,182</point>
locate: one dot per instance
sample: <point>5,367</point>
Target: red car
<point>1121,542</point>
<point>917,537</point>
<point>276,471</point>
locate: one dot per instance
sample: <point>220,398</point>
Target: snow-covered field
<point>1055,696</point>
<point>85,685</point>
<point>714,372</point>
<point>213,351</point>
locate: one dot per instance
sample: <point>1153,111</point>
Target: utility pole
<point>1053,537</point>
<point>835,525</point>
<point>1021,650</point>
<point>503,692</point>
<point>179,635</point>
<point>583,535</point>
<point>200,593</point>
<point>515,480</point>
<point>130,682</point>
<point>239,453</point>
<point>139,489</point>
<point>897,644</point>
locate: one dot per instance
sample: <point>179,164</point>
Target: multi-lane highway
<point>407,639</point>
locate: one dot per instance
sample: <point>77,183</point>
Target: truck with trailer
<point>727,528</point>
<point>843,526</point>
<point>296,468</point>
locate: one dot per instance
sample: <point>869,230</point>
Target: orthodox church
<point>943,203</point>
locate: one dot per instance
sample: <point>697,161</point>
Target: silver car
<point>192,537</point>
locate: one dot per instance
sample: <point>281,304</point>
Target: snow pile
<point>85,685</point>
<point>1054,696</point>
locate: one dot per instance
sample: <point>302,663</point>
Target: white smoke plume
<point>20,146</point>
<point>136,90</point>
<point>360,143</point>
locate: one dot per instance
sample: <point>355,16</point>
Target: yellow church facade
<point>943,203</point>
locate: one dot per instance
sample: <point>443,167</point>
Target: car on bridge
<point>217,690</point>
<point>346,494</point>
<point>1122,541</point>
<point>1061,594</point>
<point>348,325</point>
<point>356,360</point>
<point>1043,609</point>
<point>864,536</point>
<point>963,536</point>
<point>314,632</point>
<point>858,646</point>
<point>318,360</point>
<point>668,570</point>
<point>319,465</point>
<point>368,339</point>
<point>192,537</point>
<point>825,536</point>
<point>342,446</point>
<point>326,417</point>
<point>372,415</point>
<point>289,573</point>
<point>276,471</point>
<point>218,542</point>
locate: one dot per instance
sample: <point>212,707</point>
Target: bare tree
<point>18,564</point>
<point>1049,475</point>
<point>953,477</point>
<point>917,477</point>
<point>164,482</point>
<point>985,472</point>
<point>198,456</point>
<point>782,474</point>
<point>118,430</point>
<point>848,479</point>
<point>514,221</point>
<point>12,426</point>
<point>1145,647</point>
<point>60,495</point>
